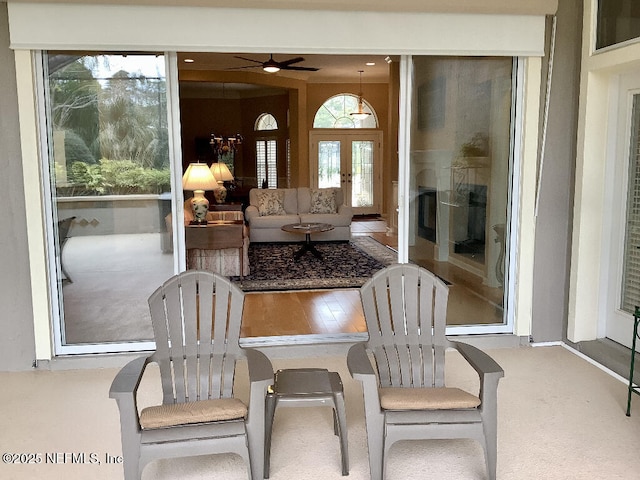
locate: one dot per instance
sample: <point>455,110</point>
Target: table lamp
<point>222,174</point>
<point>199,178</point>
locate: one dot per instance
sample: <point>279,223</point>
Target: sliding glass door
<point>460,180</point>
<point>110,201</point>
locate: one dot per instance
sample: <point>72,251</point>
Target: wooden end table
<point>307,229</point>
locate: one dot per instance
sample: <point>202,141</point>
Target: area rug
<point>343,265</point>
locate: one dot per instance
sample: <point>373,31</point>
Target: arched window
<point>336,113</point>
<point>266,121</point>
<point>266,152</point>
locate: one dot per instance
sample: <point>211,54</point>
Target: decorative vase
<point>220,193</point>
<point>200,207</point>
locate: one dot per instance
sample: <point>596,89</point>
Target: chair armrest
<point>486,367</point>
<point>251,212</point>
<point>123,389</point>
<point>126,382</point>
<point>359,364</point>
<point>479,360</point>
<point>259,365</point>
<point>260,378</point>
<point>360,367</point>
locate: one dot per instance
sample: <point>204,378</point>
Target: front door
<point>623,293</point>
<point>349,160</point>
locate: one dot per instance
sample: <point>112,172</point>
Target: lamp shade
<point>198,177</point>
<point>221,172</point>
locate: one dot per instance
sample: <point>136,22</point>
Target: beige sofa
<point>270,209</point>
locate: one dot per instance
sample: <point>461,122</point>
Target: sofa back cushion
<point>289,199</point>
<point>323,200</point>
<point>319,200</point>
<point>271,202</point>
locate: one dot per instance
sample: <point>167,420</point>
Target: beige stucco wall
<point>16,315</point>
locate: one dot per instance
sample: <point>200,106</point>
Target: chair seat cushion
<point>201,411</point>
<point>437,398</point>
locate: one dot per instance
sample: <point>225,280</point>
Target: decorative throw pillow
<point>271,202</point>
<point>323,200</point>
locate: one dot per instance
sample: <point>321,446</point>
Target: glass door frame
<point>403,187</point>
<point>351,135</point>
<point>404,177</point>
<point>175,157</point>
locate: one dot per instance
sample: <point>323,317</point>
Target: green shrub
<point>76,150</point>
<point>115,177</point>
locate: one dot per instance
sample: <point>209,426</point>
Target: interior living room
<point>223,100</point>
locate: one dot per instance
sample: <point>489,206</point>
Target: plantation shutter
<point>266,165</point>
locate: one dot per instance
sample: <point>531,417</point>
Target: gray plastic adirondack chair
<point>405,397</point>
<point>196,318</point>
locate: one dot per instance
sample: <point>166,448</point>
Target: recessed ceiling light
<point>370,64</point>
<point>189,60</point>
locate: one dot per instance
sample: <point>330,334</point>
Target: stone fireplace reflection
<point>427,213</point>
<point>469,221</point>
<point>465,219</point>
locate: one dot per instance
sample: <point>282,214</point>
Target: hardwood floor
<point>327,312</point>
<point>302,313</point>
<point>321,312</point>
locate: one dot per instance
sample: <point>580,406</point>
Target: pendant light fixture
<point>360,114</point>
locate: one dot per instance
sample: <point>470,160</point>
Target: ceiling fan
<point>272,66</point>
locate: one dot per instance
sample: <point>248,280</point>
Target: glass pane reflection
<point>460,167</point>
<point>109,158</point>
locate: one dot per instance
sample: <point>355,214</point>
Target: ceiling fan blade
<point>242,68</point>
<point>286,63</point>
<point>249,60</point>
<point>304,69</point>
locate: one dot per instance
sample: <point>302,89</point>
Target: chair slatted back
<point>405,307</point>
<point>196,319</point>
